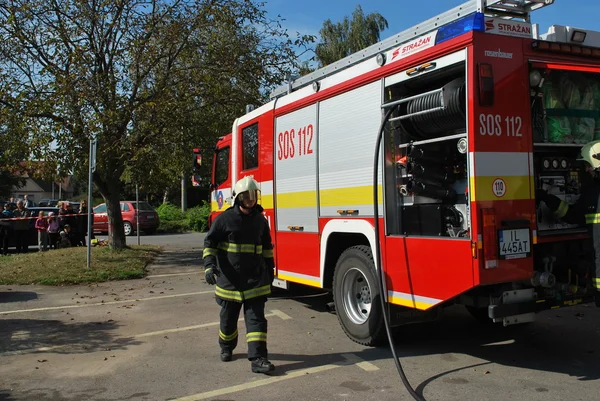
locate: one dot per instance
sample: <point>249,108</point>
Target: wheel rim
<point>356,296</point>
<point>127,228</point>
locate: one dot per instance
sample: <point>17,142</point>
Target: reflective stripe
<point>596,282</point>
<point>257,292</point>
<point>229,337</point>
<point>256,336</point>
<point>209,251</point>
<point>227,294</point>
<point>592,218</point>
<point>562,210</point>
<point>240,248</point>
<point>268,253</point>
<point>240,296</point>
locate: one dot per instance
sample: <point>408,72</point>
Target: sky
<point>307,16</point>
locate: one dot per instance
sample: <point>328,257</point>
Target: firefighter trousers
<point>256,326</point>
<point>595,275</point>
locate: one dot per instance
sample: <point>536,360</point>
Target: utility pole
<point>183,193</point>
<point>92,168</point>
<point>137,212</point>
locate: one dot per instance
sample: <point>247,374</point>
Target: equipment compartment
<point>427,145</point>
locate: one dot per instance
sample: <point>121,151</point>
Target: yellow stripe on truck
<point>266,201</point>
<point>515,188</point>
<point>329,197</point>
<point>501,176</point>
<point>293,200</point>
<point>349,196</point>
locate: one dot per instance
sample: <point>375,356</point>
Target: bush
<point>174,226</point>
<point>198,217</point>
<point>169,212</point>
<point>173,220</point>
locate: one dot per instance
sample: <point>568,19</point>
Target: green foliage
<point>169,212</point>
<point>344,38</point>
<point>198,217</point>
<point>173,220</point>
<point>174,226</point>
<point>7,182</point>
<point>148,80</point>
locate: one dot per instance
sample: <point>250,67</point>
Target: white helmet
<point>247,187</point>
<point>590,153</point>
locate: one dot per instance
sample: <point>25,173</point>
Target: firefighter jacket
<point>240,247</point>
<point>585,211</point>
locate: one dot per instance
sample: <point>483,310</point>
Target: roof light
<point>578,36</point>
<point>565,48</point>
<point>472,22</point>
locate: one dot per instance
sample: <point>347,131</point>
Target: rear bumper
<point>508,310</point>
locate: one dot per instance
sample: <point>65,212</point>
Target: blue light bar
<point>472,22</point>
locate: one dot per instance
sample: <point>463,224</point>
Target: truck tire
<point>356,296</point>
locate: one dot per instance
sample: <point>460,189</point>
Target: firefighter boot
<point>598,299</point>
<point>261,365</point>
<point>225,355</point>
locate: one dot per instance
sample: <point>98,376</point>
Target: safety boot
<point>225,356</point>
<point>261,365</point>
<point>598,299</point>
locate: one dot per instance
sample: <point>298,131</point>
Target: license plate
<point>514,243</point>
<point>149,217</point>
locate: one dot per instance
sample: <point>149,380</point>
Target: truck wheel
<point>356,296</point>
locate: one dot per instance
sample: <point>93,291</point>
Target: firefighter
<point>587,208</point>
<point>238,258</point>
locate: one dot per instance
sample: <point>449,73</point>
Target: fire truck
<point>476,110</point>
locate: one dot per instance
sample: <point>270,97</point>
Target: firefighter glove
<point>211,274</point>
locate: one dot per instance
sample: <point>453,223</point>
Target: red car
<point>148,218</point>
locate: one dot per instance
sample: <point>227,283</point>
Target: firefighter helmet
<point>590,153</point>
<point>246,187</point>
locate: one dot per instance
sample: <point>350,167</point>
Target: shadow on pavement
<point>176,261</point>
<point>17,296</point>
<point>563,341</point>
<point>52,394</point>
<point>22,335</point>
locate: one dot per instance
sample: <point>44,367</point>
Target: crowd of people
<point>68,228</point>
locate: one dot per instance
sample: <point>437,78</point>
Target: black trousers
<point>595,275</point>
<point>256,326</point>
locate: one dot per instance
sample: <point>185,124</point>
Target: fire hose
<point>378,260</point>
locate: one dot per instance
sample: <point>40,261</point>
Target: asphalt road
<point>156,339</point>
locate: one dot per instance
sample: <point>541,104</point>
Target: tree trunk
<point>111,192</point>
<point>116,233</point>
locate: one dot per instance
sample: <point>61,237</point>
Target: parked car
<point>148,218</point>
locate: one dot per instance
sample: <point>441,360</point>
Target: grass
<point>69,265</point>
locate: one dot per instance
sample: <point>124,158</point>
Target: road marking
<point>258,383</point>
<point>280,314</point>
<point>361,363</point>
<point>350,360</point>
<point>106,303</point>
<point>172,274</point>
<point>23,334</point>
<point>197,326</point>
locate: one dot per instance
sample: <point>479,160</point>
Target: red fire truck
<point>477,110</point>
